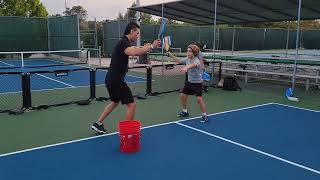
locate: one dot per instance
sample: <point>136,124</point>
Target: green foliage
<point>56,15</point>
<point>147,19</point>
<point>144,17</point>
<point>31,8</point>
<point>129,14</point>
<point>120,17</point>
<point>83,14</point>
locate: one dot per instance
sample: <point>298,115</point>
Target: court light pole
<point>297,46</point>
<point>214,33</point>
<point>162,16</point>
<point>138,17</point>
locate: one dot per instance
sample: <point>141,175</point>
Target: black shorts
<point>192,89</point>
<point>120,92</point>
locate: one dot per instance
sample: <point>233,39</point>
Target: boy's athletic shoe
<point>204,119</point>
<point>182,114</point>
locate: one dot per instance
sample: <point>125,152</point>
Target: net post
<point>162,9</point>
<point>297,47</point>
<point>48,33</point>
<point>220,70</point>
<point>233,37</point>
<point>288,36</point>
<point>93,83</point>
<point>22,60</point>
<point>89,57</point>
<point>95,33</point>
<point>26,90</point>
<point>149,80</point>
<point>99,54</point>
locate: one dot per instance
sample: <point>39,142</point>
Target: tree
<point>120,16</point>
<point>31,8</point>
<point>56,15</point>
<point>129,14</point>
<point>83,14</point>
<point>170,22</point>
<point>147,19</point>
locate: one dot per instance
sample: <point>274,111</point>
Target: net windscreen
<point>10,91</point>
<point>59,86</point>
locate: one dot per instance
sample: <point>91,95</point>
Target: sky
<point>100,9</point>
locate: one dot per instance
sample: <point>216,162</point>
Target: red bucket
<point>129,132</point>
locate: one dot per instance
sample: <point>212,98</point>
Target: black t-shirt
<point>119,62</point>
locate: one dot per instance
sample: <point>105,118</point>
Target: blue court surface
<point>47,81</point>
<point>265,142</point>
<point>29,63</point>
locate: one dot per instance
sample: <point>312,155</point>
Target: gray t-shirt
<point>200,57</point>
<point>194,74</point>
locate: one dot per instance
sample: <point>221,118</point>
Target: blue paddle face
<point>206,76</point>
<point>162,27</point>
<point>289,92</point>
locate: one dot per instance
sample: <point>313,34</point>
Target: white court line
<point>157,125</point>
<point>55,80</point>
<point>252,149</point>
<point>39,90</point>
<point>234,110</point>
<point>43,77</point>
<point>137,77</point>
<point>127,75</point>
<point>296,107</point>
<point>88,85</point>
<point>72,87</point>
<point>6,63</point>
<point>15,92</point>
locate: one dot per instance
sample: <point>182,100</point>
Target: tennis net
<point>43,58</point>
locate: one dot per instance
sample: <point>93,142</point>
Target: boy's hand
<point>156,43</point>
<point>184,69</point>
<point>148,47</point>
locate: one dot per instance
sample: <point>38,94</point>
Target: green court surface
<point>60,124</point>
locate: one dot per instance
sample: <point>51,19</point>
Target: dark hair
<point>130,26</point>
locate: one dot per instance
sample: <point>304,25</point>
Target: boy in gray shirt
<point>193,86</point>
<point>202,60</point>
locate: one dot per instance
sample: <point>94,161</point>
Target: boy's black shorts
<point>192,89</point>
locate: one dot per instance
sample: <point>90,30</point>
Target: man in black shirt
<point>117,88</point>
